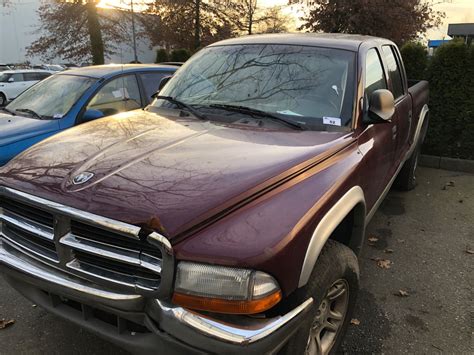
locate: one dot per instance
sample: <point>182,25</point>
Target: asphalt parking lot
<point>420,303</point>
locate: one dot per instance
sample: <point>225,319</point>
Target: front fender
<point>274,232</point>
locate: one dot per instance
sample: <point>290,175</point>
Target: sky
<point>17,25</point>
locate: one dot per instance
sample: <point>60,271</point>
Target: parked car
<point>50,67</point>
<point>72,97</point>
<point>4,67</point>
<point>14,82</point>
<point>227,216</point>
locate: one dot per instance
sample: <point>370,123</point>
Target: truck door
<point>377,142</point>
<point>403,105</point>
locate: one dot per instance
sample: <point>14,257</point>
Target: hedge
<point>451,75</point>
<point>161,56</point>
<point>415,59</point>
<point>180,55</point>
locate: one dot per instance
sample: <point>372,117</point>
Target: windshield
<point>313,86</point>
<point>54,96</point>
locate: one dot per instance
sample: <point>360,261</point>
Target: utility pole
<point>197,24</point>
<point>133,33</point>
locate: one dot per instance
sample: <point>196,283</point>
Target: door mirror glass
<point>91,115</point>
<point>381,106</point>
<point>11,80</point>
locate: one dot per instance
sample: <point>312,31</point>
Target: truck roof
<point>328,40</point>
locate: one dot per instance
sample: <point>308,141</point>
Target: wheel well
<point>350,231</point>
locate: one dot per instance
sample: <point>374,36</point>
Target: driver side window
<point>118,95</point>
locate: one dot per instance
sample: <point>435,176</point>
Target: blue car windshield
<point>310,85</point>
<point>53,97</point>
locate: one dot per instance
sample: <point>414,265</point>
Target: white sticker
<point>334,121</point>
<point>288,112</point>
<point>118,93</point>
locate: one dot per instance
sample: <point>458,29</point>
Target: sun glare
<point>124,4</point>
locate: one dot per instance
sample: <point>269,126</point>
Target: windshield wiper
<point>182,105</point>
<point>31,112</point>
<point>254,112</point>
<point>8,110</point>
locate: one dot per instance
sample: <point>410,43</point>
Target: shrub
<point>451,77</point>
<point>161,56</point>
<point>180,55</point>
<point>415,59</point>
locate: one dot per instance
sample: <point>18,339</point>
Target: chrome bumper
<point>189,327</point>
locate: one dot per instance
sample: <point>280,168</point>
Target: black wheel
<point>334,284</point>
<point>3,100</point>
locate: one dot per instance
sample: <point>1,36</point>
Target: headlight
<point>224,289</point>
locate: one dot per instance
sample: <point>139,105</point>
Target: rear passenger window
<point>374,75</point>
<point>42,76</point>
<point>393,71</point>
<point>31,76</point>
<point>17,77</point>
<point>151,82</point>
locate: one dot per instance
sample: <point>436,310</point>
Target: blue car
<point>73,97</point>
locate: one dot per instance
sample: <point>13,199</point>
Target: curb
<point>432,161</point>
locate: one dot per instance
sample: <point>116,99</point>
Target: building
<point>465,31</point>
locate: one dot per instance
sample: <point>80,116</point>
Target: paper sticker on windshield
<point>57,115</point>
<point>288,112</point>
<point>333,121</point>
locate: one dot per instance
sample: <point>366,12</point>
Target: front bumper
<point>141,324</point>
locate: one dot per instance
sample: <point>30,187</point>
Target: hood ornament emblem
<point>82,178</point>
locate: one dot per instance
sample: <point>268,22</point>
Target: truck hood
<point>167,174</point>
<point>17,128</point>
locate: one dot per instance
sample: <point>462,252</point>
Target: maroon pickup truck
<point>227,216</point>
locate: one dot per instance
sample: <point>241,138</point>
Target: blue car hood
<point>17,128</point>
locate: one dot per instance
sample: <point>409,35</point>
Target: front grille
<point>29,242</point>
<point>90,246</point>
<point>29,212</point>
<point>86,231</point>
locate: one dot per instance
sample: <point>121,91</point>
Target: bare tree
<point>77,30</point>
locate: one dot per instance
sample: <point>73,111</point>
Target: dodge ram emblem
<point>82,178</point>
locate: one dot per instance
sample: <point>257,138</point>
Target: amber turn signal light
<point>227,306</point>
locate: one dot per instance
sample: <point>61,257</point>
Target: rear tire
<point>3,100</point>
<point>334,284</point>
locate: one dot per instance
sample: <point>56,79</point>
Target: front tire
<point>3,100</point>
<point>406,179</point>
<point>334,284</point>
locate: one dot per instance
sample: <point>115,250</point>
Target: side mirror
<point>163,82</point>
<point>91,115</point>
<point>381,106</point>
<point>11,80</point>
